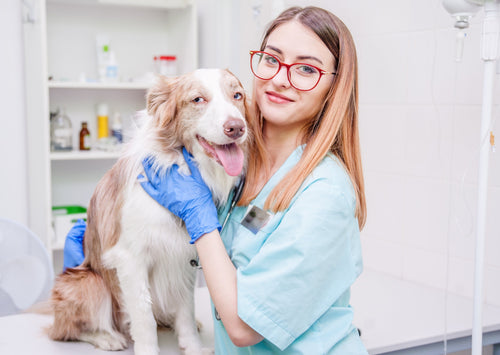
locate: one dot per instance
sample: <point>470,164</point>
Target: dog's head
<point>205,111</point>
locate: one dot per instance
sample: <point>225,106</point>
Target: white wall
<point>419,117</point>
<point>419,121</point>
<point>13,182</point>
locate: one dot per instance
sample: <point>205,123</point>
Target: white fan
<point>26,272</point>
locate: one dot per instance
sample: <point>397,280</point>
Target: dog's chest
<point>151,232</point>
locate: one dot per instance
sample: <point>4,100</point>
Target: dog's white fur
<point>137,271</point>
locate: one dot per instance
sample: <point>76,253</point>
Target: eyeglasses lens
<point>301,76</point>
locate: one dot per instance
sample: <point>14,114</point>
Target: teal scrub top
<point>294,274</point>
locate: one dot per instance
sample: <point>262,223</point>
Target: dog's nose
<point>234,128</point>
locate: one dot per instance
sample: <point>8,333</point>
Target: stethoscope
<point>238,189</point>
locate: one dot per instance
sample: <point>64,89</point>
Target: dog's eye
<point>238,96</point>
<point>198,100</point>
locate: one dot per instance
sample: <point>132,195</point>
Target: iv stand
<point>489,54</point>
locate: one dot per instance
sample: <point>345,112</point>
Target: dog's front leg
<point>133,278</point>
<point>185,326</point>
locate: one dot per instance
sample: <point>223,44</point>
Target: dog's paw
<point>146,349</point>
<point>207,351</point>
<point>105,340</point>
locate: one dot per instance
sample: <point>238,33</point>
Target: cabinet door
<point>37,126</point>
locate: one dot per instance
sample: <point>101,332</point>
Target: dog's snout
<point>234,128</point>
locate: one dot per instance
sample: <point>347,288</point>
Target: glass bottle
<point>84,137</point>
<point>61,134</point>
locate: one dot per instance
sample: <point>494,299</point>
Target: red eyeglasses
<point>302,76</point>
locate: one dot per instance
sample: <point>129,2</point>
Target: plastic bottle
<point>102,121</point>
<point>102,47</point>
<point>111,68</point>
<point>168,65</point>
<point>61,133</point>
<point>116,128</point>
<point>84,137</point>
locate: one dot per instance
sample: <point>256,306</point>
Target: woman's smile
<point>277,98</point>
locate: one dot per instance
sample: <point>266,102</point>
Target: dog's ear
<point>161,99</point>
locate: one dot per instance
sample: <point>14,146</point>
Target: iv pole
<point>489,54</point>
<point>462,10</point>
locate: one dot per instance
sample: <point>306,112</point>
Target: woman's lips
<point>277,98</point>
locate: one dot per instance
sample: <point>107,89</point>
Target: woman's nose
<point>281,78</point>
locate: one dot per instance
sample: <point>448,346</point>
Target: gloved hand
<point>73,245</point>
<point>186,196</point>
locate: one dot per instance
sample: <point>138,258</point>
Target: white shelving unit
<point>61,72</point>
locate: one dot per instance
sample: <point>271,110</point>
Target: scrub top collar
<point>289,163</point>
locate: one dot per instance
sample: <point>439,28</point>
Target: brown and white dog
<point>137,273</point>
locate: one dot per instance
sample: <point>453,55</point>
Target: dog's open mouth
<point>230,156</point>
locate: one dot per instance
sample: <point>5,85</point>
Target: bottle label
<point>102,127</point>
<point>86,141</point>
<point>63,132</point>
<point>118,134</point>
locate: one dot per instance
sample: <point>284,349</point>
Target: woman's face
<point>283,106</point>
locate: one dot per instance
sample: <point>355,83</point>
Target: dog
<point>137,273</point>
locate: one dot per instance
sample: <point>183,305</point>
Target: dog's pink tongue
<point>231,156</point>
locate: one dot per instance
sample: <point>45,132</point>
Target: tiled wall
<point>419,120</point>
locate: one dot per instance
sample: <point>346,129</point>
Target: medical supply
<point>111,68</point>
<point>116,128</point>
<point>106,60</point>
<point>237,191</point>
<point>168,65</point>
<point>84,137</point>
<point>102,121</point>
<point>61,134</point>
<point>63,219</point>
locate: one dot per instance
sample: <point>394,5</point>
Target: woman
<point>279,272</point>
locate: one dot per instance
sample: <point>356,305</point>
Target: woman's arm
<point>220,275</point>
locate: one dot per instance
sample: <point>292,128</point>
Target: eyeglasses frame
<point>287,66</point>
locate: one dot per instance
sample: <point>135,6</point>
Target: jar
<point>61,133</point>
<point>168,65</point>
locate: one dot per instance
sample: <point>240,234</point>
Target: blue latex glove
<point>186,196</point>
<point>73,245</point>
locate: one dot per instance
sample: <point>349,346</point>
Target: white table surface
<point>392,314</point>
<point>395,314</point>
<point>23,334</point>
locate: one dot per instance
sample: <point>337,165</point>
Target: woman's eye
<point>305,69</point>
<point>270,60</point>
<point>238,96</point>
<point>198,100</point>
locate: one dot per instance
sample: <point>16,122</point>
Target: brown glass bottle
<point>84,137</point>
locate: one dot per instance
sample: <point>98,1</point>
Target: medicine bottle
<point>61,134</point>
<point>102,121</point>
<point>116,128</point>
<point>84,137</point>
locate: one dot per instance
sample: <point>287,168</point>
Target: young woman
<point>279,272</point>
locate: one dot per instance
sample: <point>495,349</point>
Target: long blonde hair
<point>335,127</point>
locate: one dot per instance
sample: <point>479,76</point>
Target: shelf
<point>64,49</point>
<point>84,155</point>
<point>98,85</point>
<point>161,4</point>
